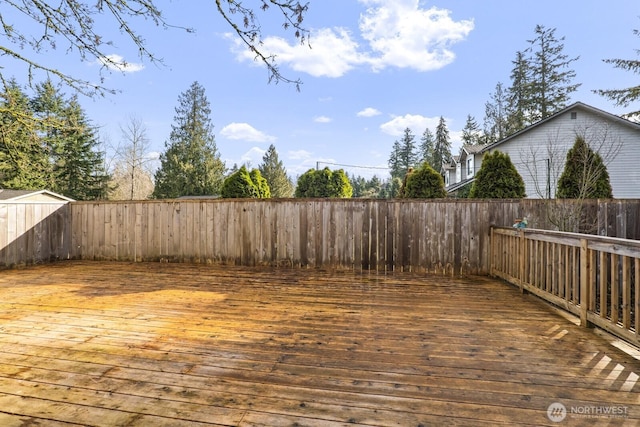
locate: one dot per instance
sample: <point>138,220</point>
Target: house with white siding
<point>539,151</point>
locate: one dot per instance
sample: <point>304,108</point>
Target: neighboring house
<point>539,151</point>
<point>462,169</point>
<point>449,171</point>
<point>32,196</point>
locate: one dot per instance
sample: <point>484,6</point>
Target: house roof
<point>21,195</point>
<point>459,185</point>
<point>576,105</point>
<point>472,149</point>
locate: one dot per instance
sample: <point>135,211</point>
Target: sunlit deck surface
<point>115,344</point>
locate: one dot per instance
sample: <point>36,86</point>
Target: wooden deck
<point>116,344</point>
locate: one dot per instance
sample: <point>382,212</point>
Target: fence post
<point>584,282</point>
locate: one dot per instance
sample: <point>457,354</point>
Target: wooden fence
<point>450,236</point>
<point>594,277</point>
<point>33,233</point>
<point>382,235</point>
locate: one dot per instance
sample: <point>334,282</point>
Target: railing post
<point>584,282</point>
<point>521,261</point>
<point>492,241</point>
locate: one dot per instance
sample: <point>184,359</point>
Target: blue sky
<point>374,68</point>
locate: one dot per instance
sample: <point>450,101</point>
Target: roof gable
<point>574,106</point>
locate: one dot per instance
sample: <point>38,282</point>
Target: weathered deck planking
<point>105,344</point>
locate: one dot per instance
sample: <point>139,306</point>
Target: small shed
<point>32,196</point>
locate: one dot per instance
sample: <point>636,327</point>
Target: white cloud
<point>117,63</point>
<point>253,157</point>
<point>245,132</point>
<point>402,34</point>
<point>299,155</point>
<point>332,54</point>
<point>368,112</point>
<point>396,33</point>
<point>322,119</point>
<point>415,122</point>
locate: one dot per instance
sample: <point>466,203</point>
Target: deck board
<point>102,344</point>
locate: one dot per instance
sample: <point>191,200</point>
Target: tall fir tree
<point>442,148</point>
<point>72,144</point>
<point>624,97</point>
<point>427,145</point>
<point>24,161</point>
<point>79,166</point>
<point>551,82</point>
<point>519,104</point>
<point>496,114</point>
<point>403,155</point>
<point>190,164</point>
<point>471,132</point>
<point>273,170</point>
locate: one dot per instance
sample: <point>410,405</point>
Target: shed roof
<point>22,195</point>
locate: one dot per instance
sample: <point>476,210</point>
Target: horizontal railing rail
<point>594,277</point>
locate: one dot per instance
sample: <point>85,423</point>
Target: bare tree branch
<point>75,23</point>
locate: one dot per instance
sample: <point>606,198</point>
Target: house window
<point>446,179</point>
<point>470,166</point>
<point>574,115</point>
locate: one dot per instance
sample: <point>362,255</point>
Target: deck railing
<point>596,278</point>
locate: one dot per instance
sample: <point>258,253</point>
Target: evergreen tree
<point>403,155</point>
<point>497,179</point>
<point>272,169</point>
<point>427,145</point>
<point>496,115</point>
<point>191,163</point>
<point>551,76</point>
<point>243,184</point>
<point>324,183</point>
<point>24,161</point>
<point>585,175</point>
<point>72,143</point>
<point>78,166</point>
<point>394,161</point>
<point>624,97</point>
<point>395,188</point>
<point>471,132</point>
<point>424,183</point>
<point>374,188</point>
<point>262,186</point>
<point>519,106</point>
<point>358,183</point>
<point>442,148</point>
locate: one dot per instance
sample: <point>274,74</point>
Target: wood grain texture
<point>162,344</point>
